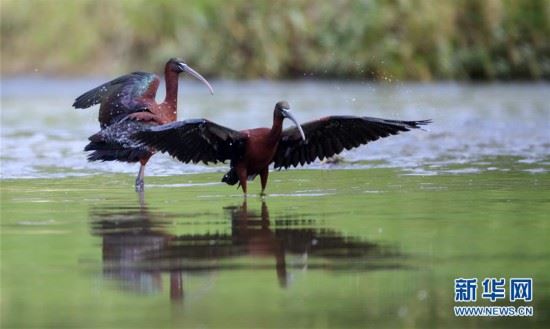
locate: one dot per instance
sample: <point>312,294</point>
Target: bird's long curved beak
<point>186,68</point>
<point>289,115</point>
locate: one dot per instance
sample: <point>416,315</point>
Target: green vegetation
<point>385,39</point>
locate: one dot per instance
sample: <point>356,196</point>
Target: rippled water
<point>376,243</point>
<point>43,136</point>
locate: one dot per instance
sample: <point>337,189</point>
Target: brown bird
<point>252,151</point>
<point>127,105</point>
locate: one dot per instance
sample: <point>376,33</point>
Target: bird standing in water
<point>128,105</point>
<point>251,151</point>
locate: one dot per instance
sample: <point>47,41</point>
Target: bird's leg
<point>243,184</point>
<point>263,177</point>
<point>241,172</point>
<point>139,179</point>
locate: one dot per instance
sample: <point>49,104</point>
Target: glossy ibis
<point>252,151</point>
<point>127,105</point>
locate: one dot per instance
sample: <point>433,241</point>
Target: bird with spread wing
<point>251,151</point>
<point>128,105</point>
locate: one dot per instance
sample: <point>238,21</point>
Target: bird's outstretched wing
<point>116,143</point>
<point>122,96</point>
<point>330,135</point>
<point>195,140</point>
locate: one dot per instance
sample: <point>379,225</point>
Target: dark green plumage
<point>115,143</point>
<point>119,97</point>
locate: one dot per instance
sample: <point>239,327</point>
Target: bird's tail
<point>231,178</point>
<point>111,151</point>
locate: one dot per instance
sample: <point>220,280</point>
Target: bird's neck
<point>276,130</point>
<point>171,79</point>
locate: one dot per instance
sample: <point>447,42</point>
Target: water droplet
<point>422,294</point>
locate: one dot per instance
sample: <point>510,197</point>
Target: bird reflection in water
<point>138,249</point>
<point>131,236</point>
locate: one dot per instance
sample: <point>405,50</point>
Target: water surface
<point>43,136</point>
<point>375,239</point>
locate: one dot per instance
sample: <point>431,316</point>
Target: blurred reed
<point>384,39</point>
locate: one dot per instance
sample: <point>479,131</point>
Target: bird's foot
<point>140,185</point>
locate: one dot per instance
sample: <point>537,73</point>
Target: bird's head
<point>178,66</point>
<point>282,110</point>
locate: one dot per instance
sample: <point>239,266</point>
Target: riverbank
<point>363,40</point>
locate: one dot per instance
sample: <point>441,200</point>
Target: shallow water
<point>327,249</point>
<point>43,136</point>
<point>376,243</point>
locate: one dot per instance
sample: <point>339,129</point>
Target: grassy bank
<point>406,40</point>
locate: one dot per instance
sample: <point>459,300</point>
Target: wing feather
<point>121,96</point>
<point>331,135</point>
<point>195,141</point>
